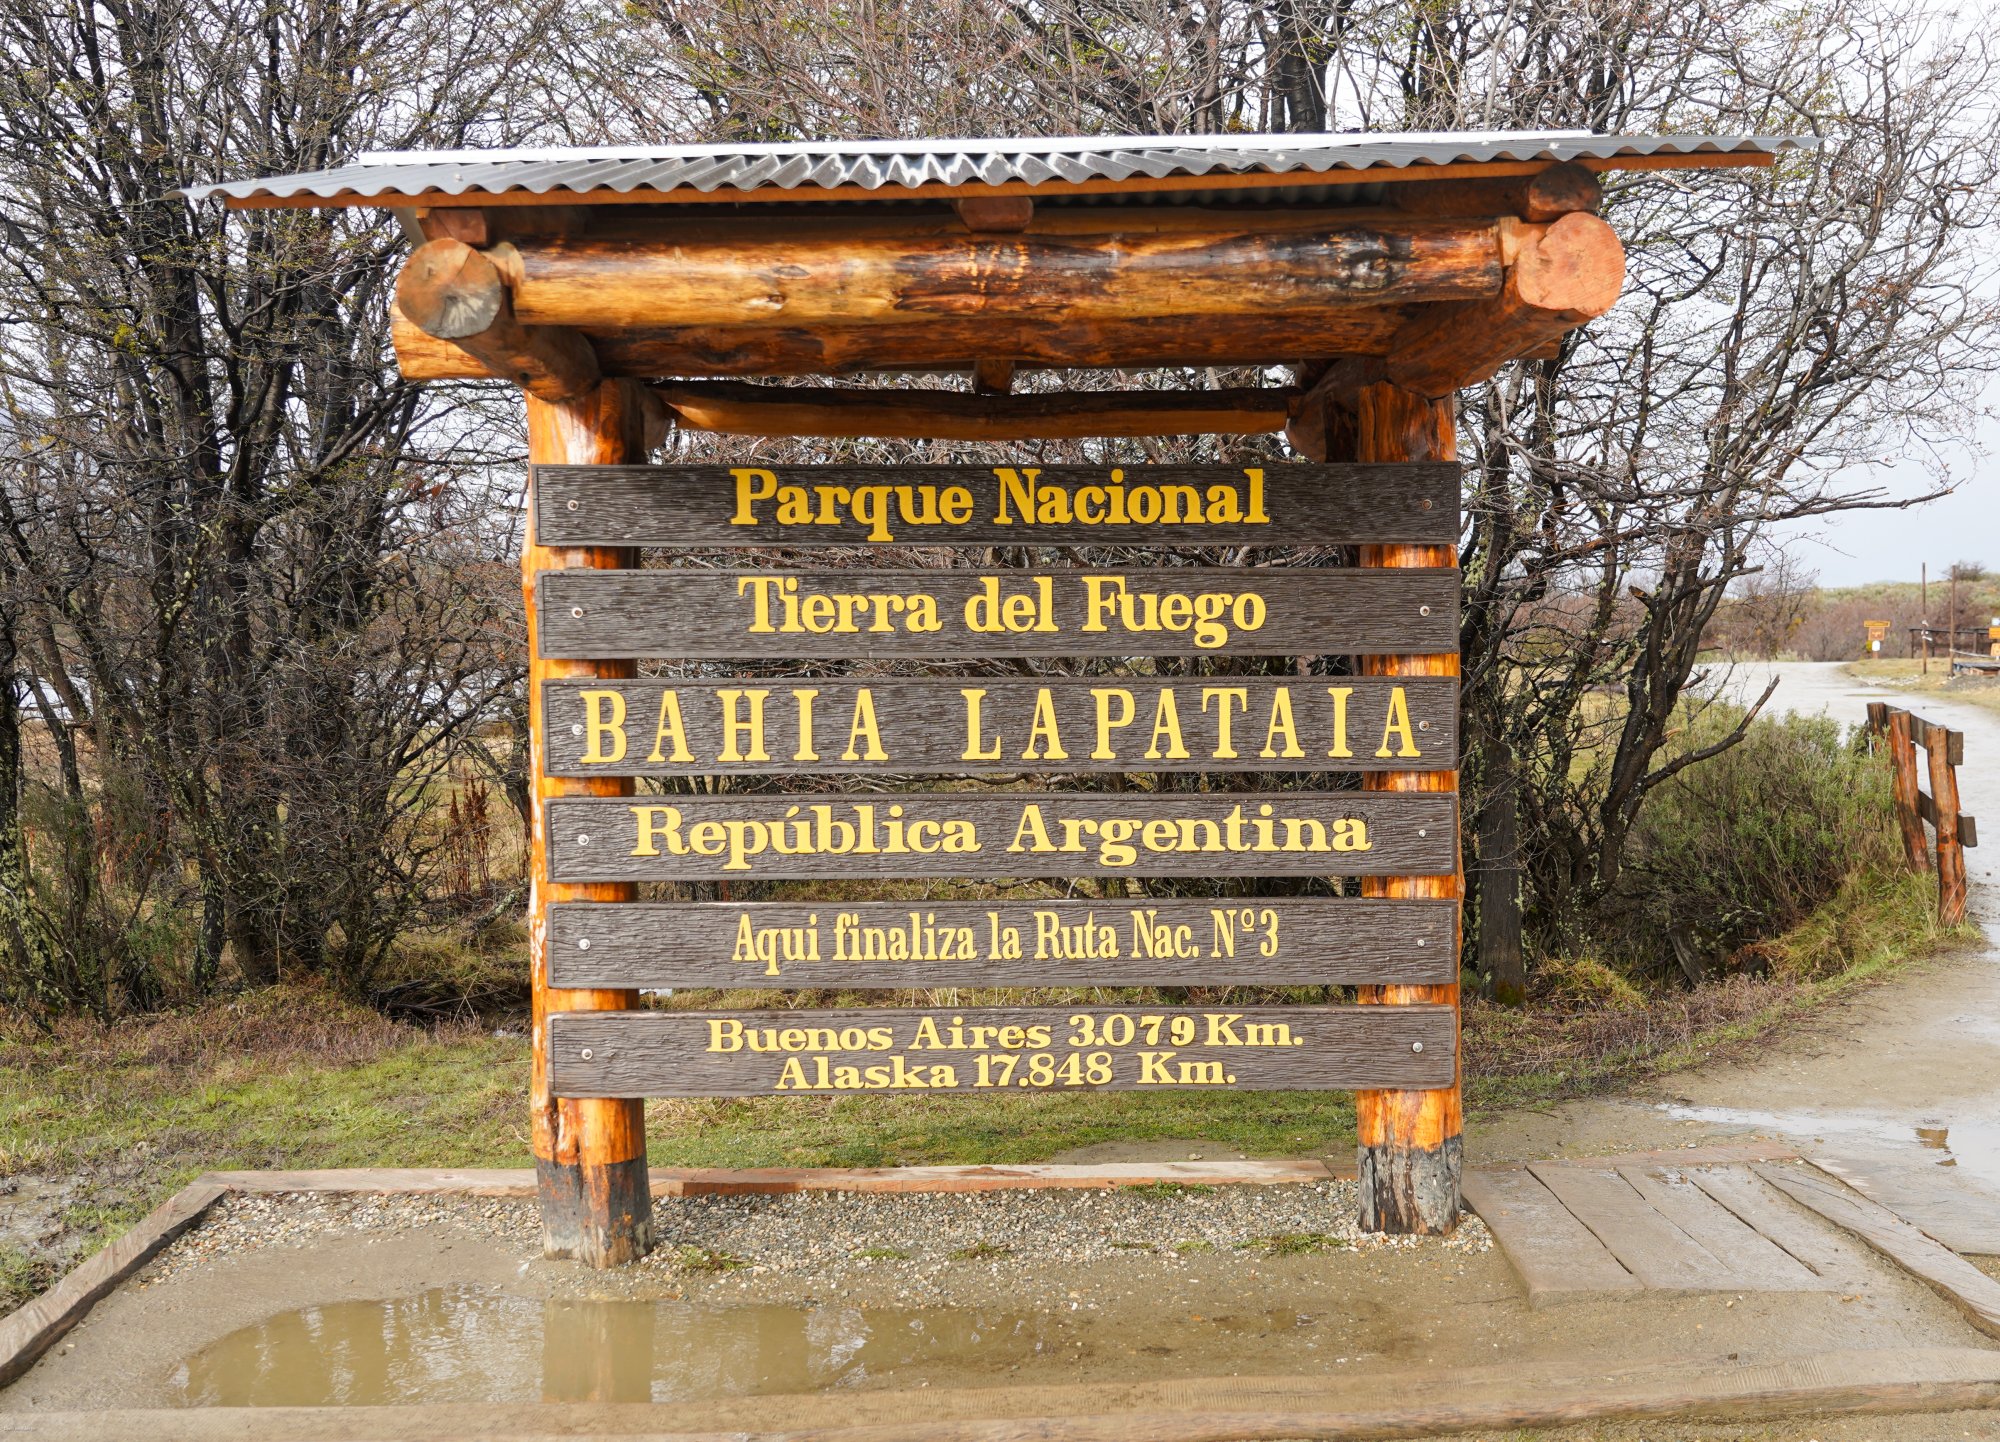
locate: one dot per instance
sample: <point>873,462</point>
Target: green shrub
<point>1747,845</point>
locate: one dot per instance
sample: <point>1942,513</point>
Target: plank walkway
<point>1622,1226</point>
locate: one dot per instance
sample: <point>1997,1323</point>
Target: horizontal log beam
<point>792,276</point>
<point>945,345</point>
<point>748,410</point>
<point>454,294</point>
<point>1561,276</point>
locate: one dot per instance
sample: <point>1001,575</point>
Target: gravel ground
<point>840,1238</point>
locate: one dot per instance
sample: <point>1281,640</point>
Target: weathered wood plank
<point>1289,505</point>
<point>1806,1238</point>
<point>910,1052</point>
<point>1555,1256</point>
<point>1281,941</point>
<point>846,615</point>
<point>29,1332</point>
<point>1757,1263</point>
<point>1934,1198</point>
<point>1013,834</point>
<point>959,725</point>
<point>1653,1249</point>
<point>1967,1288</point>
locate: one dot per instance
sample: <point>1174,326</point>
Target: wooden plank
<point>1556,1257</point>
<point>1975,1294</point>
<point>932,615</point>
<point>960,725</point>
<point>1652,1248</point>
<point>768,944</point>
<point>994,1049</point>
<point>1806,1239</point>
<point>1925,1195</point>
<point>1291,505</point>
<point>30,1331</point>
<point>1348,1403</point>
<point>1012,834</point>
<point>1758,1264</point>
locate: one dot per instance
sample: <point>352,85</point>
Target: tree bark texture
<point>590,1154</point>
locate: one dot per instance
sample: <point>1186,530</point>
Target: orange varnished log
<point>453,294</point>
<point>1557,278</point>
<point>1903,788</point>
<point>749,410</point>
<point>1950,847</point>
<point>1409,1141</point>
<point>590,1155</point>
<point>950,344</point>
<point>787,276</point>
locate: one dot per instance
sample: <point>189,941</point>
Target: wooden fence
<point>1944,751</point>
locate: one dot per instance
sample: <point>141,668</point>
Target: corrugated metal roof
<point>802,167</point>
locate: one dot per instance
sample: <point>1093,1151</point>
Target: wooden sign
<point>1014,1049</point>
<point>1279,941</point>
<point>1277,833</point>
<point>815,726</point>
<point>1280,505</point>
<point>835,615</point>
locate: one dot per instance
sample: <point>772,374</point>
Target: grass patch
<point>707,1259</point>
<point>1291,1244</point>
<point>982,1252</point>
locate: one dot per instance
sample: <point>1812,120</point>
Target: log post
<point>1409,1141</point>
<point>1903,781</point>
<point>1950,849</point>
<point>590,1154</point>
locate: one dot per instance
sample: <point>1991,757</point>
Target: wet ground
<point>1908,1072</point>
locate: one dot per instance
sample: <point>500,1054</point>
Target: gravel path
<point>833,1237</point>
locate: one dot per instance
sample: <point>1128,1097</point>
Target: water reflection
<point>461,1344</point>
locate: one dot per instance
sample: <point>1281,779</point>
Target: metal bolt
<point>577,611</point>
<point>1421,611</point>
<point>583,840</point>
<point>1414,1046</point>
<point>572,505</point>
<point>585,1053</point>
<point>583,943</point>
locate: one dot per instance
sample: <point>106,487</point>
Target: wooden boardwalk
<point>1620,1226</point>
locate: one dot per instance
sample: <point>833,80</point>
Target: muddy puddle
<point>461,1344</point>
<point>1969,1144</point>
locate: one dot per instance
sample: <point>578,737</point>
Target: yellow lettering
<point>864,726</point>
<point>1106,723</point>
<point>597,727</point>
<point>669,728</point>
<point>1398,724</point>
<point>735,729</point>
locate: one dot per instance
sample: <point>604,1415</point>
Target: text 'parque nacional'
<point>1031,505</point>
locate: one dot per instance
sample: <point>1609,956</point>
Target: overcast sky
<point>1868,546</point>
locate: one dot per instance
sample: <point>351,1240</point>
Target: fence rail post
<point>1903,763</point>
<point>1939,751</point>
